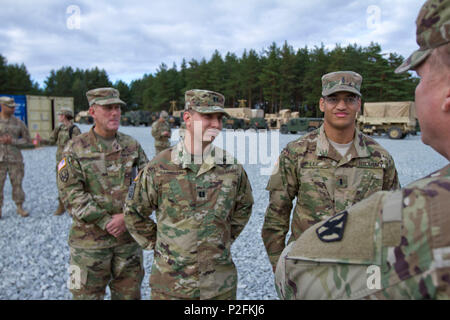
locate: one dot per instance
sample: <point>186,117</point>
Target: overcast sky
<point>132,38</point>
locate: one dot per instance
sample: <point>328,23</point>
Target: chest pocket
<point>316,185</point>
<point>367,182</point>
<point>175,194</point>
<point>223,191</point>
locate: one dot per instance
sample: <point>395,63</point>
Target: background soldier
<point>13,133</point>
<point>93,179</point>
<point>64,132</point>
<point>328,169</point>
<point>203,201</point>
<point>393,245</point>
<point>161,132</point>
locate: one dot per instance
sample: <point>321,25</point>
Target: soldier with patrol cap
<point>161,132</point>
<point>203,200</point>
<point>64,132</point>
<point>393,245</point>
<point>13,133</point>
<point>94,175</point>
<point>328,169</point>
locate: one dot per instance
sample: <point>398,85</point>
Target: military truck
<point>233,123</point>
<point>396,119</point>
<point>83,117</point>
<point>125,119</point>
<point>257,123</point>
<point>295,125</point>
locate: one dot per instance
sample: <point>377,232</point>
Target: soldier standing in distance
<point>203,200</point>
<point>93,179</point>
<point>393,245</point>
<point>13,133</point>
<point>328,169</point>
<point>161,132</point>
<point>64,132</point>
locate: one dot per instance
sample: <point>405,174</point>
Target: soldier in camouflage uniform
<point>65,131</point>
<point>161,132</point>
<point>328,169</point>
<point>393,245</point>
<point>93,179</point>
<point>203,200</point>
<point>13,133</point>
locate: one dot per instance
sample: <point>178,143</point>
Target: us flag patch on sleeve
<point>62,164</point>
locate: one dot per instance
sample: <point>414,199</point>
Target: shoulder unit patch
<point>333,229</point>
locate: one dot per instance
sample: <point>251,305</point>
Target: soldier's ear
<point>321,104</point>
<point>446,103</point>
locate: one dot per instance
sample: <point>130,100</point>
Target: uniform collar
<point>212,157</point>
<point>98,146</point>
<point>357,150</point>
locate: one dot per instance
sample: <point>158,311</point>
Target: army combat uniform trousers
<point>15,170</point>
<point>120,267</point>
<point>230,295</point>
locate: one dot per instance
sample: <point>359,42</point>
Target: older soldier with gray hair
<point>94,175</point>
<point>393,245</point>
<point>328,169</point>
<point>13,134</point>
<point>64,132</point>
<point>203,200</point>
<point>161,132</point>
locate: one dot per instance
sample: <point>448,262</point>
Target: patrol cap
<point>103,96</point>
<point>7,101</point>
<point>204,101</point>
<point>164,114</point>
<point>433,30</point>
<point>65,111</point>
<point>341,81</point>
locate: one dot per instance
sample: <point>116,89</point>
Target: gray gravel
<point>34,255</point>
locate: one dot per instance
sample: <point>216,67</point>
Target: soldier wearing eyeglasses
<point>328,169</point>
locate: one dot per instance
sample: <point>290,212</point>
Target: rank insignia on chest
<point>201,194</point>
<point>333,229</point>
<point>341,181</point>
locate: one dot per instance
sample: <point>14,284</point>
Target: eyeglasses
<point>333,100</point>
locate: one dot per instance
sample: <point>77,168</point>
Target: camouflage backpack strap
<point>71,131</point>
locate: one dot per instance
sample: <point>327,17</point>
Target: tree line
<point>275,78</point>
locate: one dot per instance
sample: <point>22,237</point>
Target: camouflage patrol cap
<point>103,96</point>
<point>65,111</point>
<point>164,114</point>
<point>433,30</point>
<point>7,101</point>
<point>204,101</point>
<point>341,81</point>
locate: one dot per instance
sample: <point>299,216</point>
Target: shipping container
<point>40,112</point>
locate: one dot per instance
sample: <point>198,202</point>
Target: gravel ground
<point>34,255</point>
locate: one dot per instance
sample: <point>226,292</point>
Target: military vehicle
<point>233,123</point>
<point>397,119</point>
<point>257,123</point>
<point>125,119</point>
<point>295,125</point>
<point>83,117</point>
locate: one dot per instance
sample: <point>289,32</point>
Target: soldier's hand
<point>117,225</point>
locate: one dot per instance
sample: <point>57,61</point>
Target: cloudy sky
<point>132,38</point>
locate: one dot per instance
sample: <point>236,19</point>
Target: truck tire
<point>284,129</point>
<point>395,133</point>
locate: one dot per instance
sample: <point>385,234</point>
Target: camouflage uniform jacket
<point>393,245</point>
<point>157,129</point>
<point>60,136</point>
<point>200,211</point>
<point>20,136</point>
<point>93,183</point>
<point>324,183</point>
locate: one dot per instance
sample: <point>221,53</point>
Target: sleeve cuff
<point>102,222</point>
